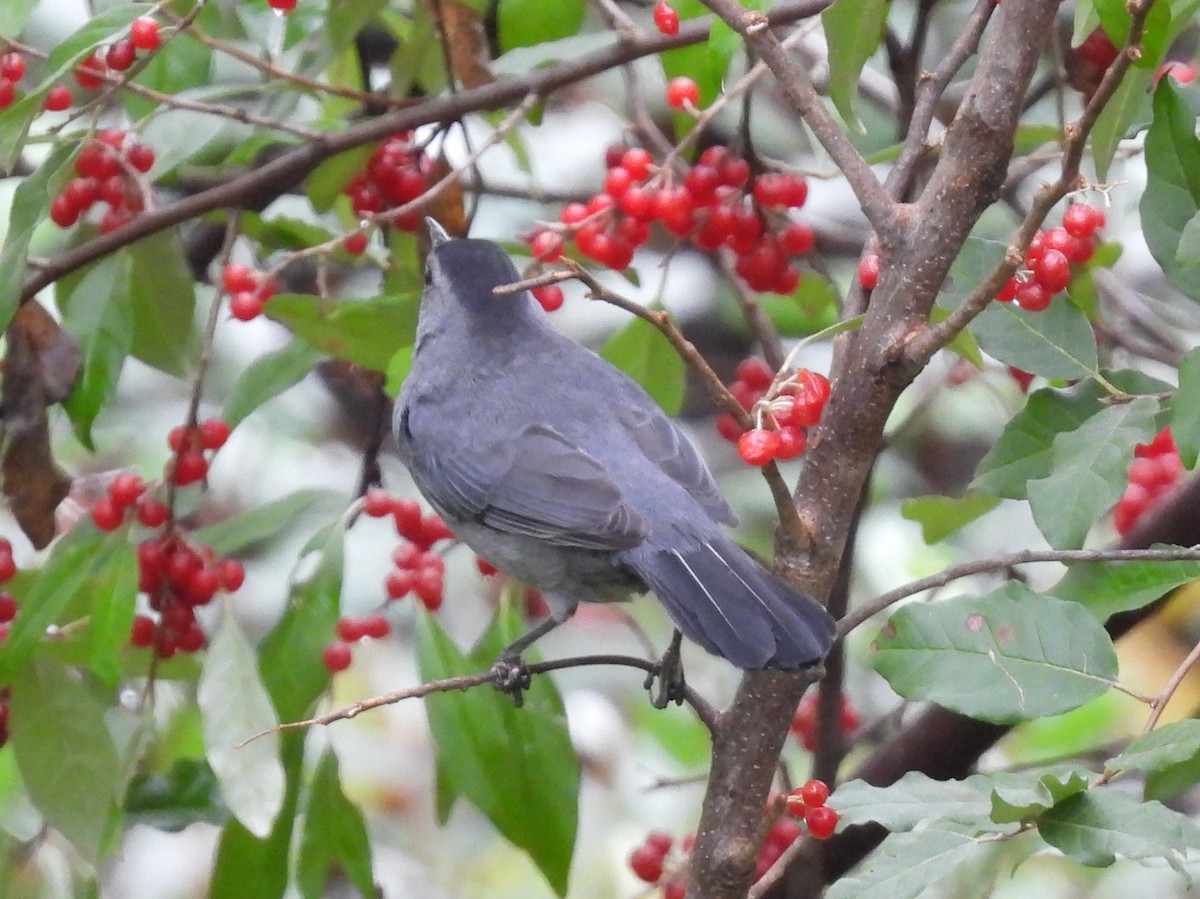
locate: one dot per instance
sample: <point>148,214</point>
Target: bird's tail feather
<point>722,599</point>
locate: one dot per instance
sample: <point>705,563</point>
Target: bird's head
<point>460,275</point>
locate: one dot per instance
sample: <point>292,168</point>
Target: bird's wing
<point>662,443</point>
<point>536,483</point>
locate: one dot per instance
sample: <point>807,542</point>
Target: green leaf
<point>1022,797</point>
<point>906,864</point>
<point>266,378</point>
<point>114,590</point>
<point>334,835</point>
<point>76,561</point>
<point>1006,656</point>
<point>262,523</point>
<point>913,800</point>
<point>642,352</point>
<point>13,15</point>
<point>677,731</point>
<point>524,23</point>
<point>1188,253</point>
<point>478,733</point>
<point>187,794</point>
<point>67,759</point>
<point>1185,409</point>
<point>941,516</point>
<point>234,707</point>
<point>1105,588</point>
<point>347,18</point>
<point>163,297</point>
<point>1025,451</point>
<point>854,30</point>
<point>1170,746</point>
<point>290,656</point>
<point>812,306</point>
<point>397,371</point>
<point>1095,827</point>
<point>706,63</point>
<point>284,233</point>
<point>1055,343</point>
<point>1125,115</point>
<point>30,207</point>
<point>178,67</point>
<point>1090,469</point>
<point>364,332</point>
<point>1172,195</point>
<point>97,312</point>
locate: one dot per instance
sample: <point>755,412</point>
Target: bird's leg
<point>510,674</point>
<point>669,673</point>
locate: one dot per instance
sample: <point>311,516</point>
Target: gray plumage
<point>562,471</point>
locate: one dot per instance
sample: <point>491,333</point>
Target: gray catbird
<point>562,471</point>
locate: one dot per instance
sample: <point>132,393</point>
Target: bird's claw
<point>511,675</point>
<point>672,686</point>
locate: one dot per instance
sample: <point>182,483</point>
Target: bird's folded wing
<point>661,442</point>
<point>536,484</point>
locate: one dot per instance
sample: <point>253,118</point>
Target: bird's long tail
<point>722,599</point>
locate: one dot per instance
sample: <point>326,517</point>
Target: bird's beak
<point>437,234</point>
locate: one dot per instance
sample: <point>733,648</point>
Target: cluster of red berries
<point>282,6</point>
<point>1050,256</point>
<point>417,570</point>
<point>178,577</point>
<point>397,173</point>
<point>649,862</point>
<point>248,290</point>
<point>717,203</point>
<point>108,169</point>
<point>128,491</point>
<point>806,727</point>
<point>1155,470</point>
<point>808,802</point>
<point>189,463</point>
<point>337,655</point>
<point>8,602</point>
<point>12,70</point>
<point>120,55</point>
<point>787,408</point>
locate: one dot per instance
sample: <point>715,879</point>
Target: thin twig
<point>705,712</point>
<point>998,563</point>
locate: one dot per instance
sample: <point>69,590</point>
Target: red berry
<point>1033,296</point>
<point>283,6</point>
<point>617,181</point>
<point>350,629</point>
<point>771,189</point>
<point>356,243</point>
<point>213,433</point>
<point>406,514</point>
<point>814,793</point>
<point>637,161</point>
<point>676,889</point>
<point>141,157</point>
<point>868,271</point>
<point>1097,49</point>
<point>82,193</point>
<point>399,583</point>
<point>486,568</point>
<point>849,719</point>
<point>192,638</point>
<point>143,630</point>
<point>659,841</point>
<point>8,607</point>
<point>12,66</point>
<point>434,529</point>
<point>89,74</point>
<point>58,98</point>
<point>63,212</point>
<point>797,239</point>
<point>107,514</point>
<point>236,277</point>
<point>144,33</point>
<point>546,246</point>
<point>682,91</point>
<point>120,55</point>
<point>1162,443</point>
<point>428,588</point>
<point>376,627</point>
<point>8,93</point>
<point>1130,508</point>
<point>190,467</point>
<point>202,586</point>
<point>728,427</point>
<point>336,655</point>
<point>125,489</point>
<point>822,822</point>
<point>1053,271</point>
<point>646,862</point>
<point>378,503</point>
<point>549,297</point>
<point>758,446</point>
<point>792,442</point>
<point>245,305</point>
<point>7,566</point>
<point>231,575</point>
<point>1081,220</point>
<point>754,373</point>
<point>152,513</point>
<point>666,19</point>
<point>1008,292</point>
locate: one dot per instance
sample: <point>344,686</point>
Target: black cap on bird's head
<point>465,271</point>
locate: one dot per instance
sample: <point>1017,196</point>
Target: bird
<point>561,471</point>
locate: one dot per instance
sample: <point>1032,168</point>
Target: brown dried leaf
<point>464,39</point>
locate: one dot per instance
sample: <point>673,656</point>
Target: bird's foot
<point>672,686</point>
<point>511,675</point>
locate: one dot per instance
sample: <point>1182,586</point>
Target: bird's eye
<point>428,275</point>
